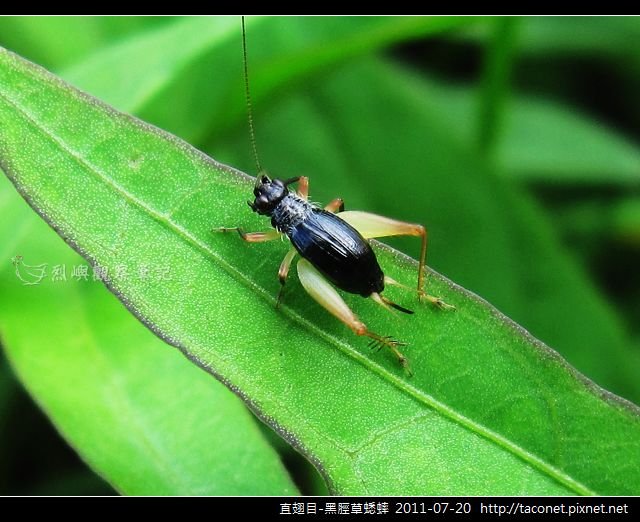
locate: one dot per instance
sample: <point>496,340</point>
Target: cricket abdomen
<point>338,251</point>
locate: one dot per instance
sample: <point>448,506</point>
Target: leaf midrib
<point>343,346</point>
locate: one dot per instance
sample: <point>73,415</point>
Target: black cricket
<point>329,243</point>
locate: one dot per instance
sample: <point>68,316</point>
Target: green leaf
<point>546,143</point>
<point>490,409</point>
<point>495,82</point>
<point>137,411</point>
<point>8,387</point>
<point>625,222</point>
<point>7,384</point>
<point>553,36</point>
<point>169,76</point>
<point>601,35</point>
<point>132,75</point>
<point>58,41</point>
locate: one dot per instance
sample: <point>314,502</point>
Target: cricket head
<point>269,193</point>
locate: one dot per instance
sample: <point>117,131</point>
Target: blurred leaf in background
<point>514,141</point>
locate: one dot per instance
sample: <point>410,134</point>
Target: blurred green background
<point>514,140</point>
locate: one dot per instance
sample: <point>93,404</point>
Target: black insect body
<point>329,243</point>
<point>332,244</point>
<point>338,250</point>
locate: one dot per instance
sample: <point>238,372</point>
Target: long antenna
<point>252,132</point>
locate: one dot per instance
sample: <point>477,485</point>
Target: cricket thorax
<point>290,212</point>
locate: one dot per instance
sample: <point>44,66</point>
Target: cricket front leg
<point>303,187</point>
<point>335,205</point>
<point>251,237</point>
<point>283,272</point>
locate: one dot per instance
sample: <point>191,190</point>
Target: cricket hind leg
<point>388,303</point>
<point>373,225</point>
<point>324,294</point>
<point>436,301</point>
